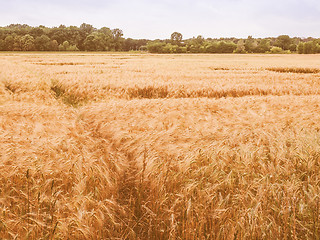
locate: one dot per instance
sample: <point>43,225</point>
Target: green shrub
<point>276,50</point>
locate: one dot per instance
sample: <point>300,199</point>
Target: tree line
<point>280,44</point>
<point>18,37</point>
<point>22,37</point>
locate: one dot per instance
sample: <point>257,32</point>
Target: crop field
<point>142,146</point>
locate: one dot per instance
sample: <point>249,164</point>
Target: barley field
<point>142,146</point>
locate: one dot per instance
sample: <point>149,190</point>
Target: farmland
<point>142,146</point>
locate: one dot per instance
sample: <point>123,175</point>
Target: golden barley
<point>120,146</point>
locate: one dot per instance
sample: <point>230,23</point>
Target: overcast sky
<point>159,18</point>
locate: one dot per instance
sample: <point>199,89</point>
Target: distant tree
<point>168,48</point>
<point>240,47</point>
<point>19,29</point>
<point>2,45</point>
<point>86,28</point>
<point>17,45</point>
<point>276,50</point>
<point>300,47</point>
<point>27,42</point>
<point>21,37</point>
<point>37,32</point>
<point>60,35</point>
<point>117,33</point>
<point>317,48</point>
<point>194,48</point>
<point>263,46</point>
<point>293,47</point>
<point>9,41</point>
<point>212,47</point>
<point>65,45</point>
<point>96,41</point>
<point>250,44</point>
<point>2,33</point>
<point>143,48</point>
<point>156,46</point>
<point>176,38</point>
<point>173,48</point>
<point>196,45</point>
<point>90,43</point>
<point>74,35</point>
<point>54,45</point>
<point>284,42</point>
<point>199,40</point>
<point>129,44</point>
<point>309,47</point>
<point>227,47</point>
<point>106,31</point>
<point>42,43</point>
<point>117,39</point>
<point>84,31</point>
<point>47,39</point>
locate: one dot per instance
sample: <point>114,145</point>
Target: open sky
<point>159,18</point>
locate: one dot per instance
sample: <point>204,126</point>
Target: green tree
<point>9,41</point>
<point>317,48</point>
<point>309,48</point>
<point>276,50</point>
<point>284,42</point>
<point>37,32</point>
<point>117,39</point>
<point>134,44</point>
<point>212,47</point>
<point>2,45</point>
<point>90,43</point>
<point>300,47</point>
<point>42,43</point>
<point>86,28</point>
<point>293,47</point>
<point>196,45</point>
<point>240,47</point>
<point>65,45</point>
<point>59,34</point>
<point>106,31</point>
<point>27,43</point>
<point>54,45</point>
<point>250,44</point>
<point>199,40</point>
<point>168,48</point>
<point>176,38</point>
<point>263,46</point>
<point>96,41</point>
<point>227,47</point>
<point>17,45</point>
<point>155,46</point>
<point>129,44</point>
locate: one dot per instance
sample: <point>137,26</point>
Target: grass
<point>159,147</point>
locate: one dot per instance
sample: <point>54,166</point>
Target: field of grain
<point>140,146</point>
